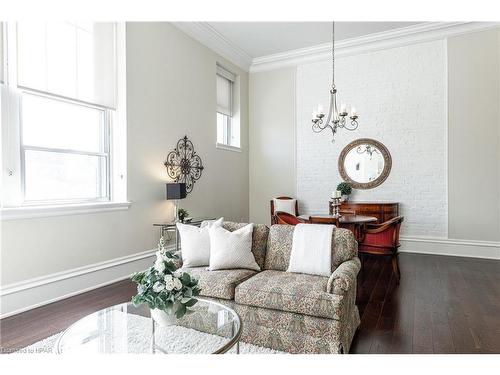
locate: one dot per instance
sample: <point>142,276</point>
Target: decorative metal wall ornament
<point>183,164</point>
<point>337,117</point>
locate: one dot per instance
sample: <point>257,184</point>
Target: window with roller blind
<point>61,107</point>
<point>227,126</point>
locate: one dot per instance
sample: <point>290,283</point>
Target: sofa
<point>290,312</point>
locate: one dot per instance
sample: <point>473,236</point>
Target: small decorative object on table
<point>167,291</point>
<point>335,203</point>
<point>345,189</point>
<point>182,214</point>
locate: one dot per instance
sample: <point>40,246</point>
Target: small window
<point>227,126</point>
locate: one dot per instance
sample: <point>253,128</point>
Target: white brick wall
<point>400,94</point>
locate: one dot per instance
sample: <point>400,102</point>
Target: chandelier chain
<point>333,53</point>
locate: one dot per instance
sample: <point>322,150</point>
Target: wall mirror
<point>365,163</point>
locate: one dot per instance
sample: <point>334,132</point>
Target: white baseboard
<point>452,247</point>
<point>29,294</point>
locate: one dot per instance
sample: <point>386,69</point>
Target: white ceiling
<point>265,38</point>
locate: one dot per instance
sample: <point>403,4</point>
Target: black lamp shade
<point>176,190</point>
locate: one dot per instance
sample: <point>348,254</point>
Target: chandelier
<point>368,149</point>
<point>337,117</point>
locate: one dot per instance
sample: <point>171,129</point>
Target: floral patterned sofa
<point>291,312</point>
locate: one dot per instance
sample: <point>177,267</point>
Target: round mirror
<point>365,163</point>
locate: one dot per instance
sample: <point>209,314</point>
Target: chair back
<point>382,236</point>
<point>286,218</point>
<point>282,198</point>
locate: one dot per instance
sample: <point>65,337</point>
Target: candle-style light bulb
<point>353,112</point>
<point>320,109</point>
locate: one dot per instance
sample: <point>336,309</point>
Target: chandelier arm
<point>327,122</point>
<point>351,126</point>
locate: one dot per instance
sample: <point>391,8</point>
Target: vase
<point>163,318</point>
<point>344,198</point>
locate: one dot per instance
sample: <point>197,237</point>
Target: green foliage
<point>182,213</point>
<point>345,188</point>
<point>161,285</point>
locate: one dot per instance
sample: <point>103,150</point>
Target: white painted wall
<point>474,136</point>
<point>171,92</point>
<point>475,87</point>
<point>401,98</point>
<point>272,140</point>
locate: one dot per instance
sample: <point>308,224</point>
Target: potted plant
<point>182,214</point>
<point>167,291</point>
<point>345,189</point>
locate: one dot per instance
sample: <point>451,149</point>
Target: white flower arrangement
<point>162,285</point>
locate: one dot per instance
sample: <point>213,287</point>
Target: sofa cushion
<point>292,292</point>
<point>259,239</point>
<point>218,284</point>
<point>279,247</point>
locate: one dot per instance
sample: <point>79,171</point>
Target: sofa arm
<point>344,277</point>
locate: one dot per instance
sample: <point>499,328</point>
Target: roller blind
<point>225,80</point>
<point>76,60</point>
<point>1,52</point>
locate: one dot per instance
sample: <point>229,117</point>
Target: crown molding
<point>419,33</point>
<point>211,38</point>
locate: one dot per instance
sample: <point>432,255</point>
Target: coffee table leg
<point>238,347</point>
<point>152,336</point>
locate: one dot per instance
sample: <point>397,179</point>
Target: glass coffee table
<point>211,328</point>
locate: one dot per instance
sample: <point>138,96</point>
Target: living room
<point>241,186</point>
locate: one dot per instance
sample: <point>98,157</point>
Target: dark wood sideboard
<point>383,211</point>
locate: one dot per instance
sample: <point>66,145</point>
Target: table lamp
<point>176,191</point>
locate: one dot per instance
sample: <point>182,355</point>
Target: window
<point>60,105</point>
<point>65,150</point>
<point>227,124</point>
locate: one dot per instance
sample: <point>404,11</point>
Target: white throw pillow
<point>195,243</point>
<point>312,249</point>
<point>285,205</point>
<point>231,250</point>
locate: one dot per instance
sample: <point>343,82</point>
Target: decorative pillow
<point>207,223</point>
<point>285,205</point>
<point>195,243</point>
<point>231,250</point>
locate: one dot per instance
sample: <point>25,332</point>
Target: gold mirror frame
<point>380,179</point>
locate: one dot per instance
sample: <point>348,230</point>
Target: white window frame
<point>230,121</point>
<point>13,204</point>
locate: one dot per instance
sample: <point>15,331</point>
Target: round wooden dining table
<point>355,223</point>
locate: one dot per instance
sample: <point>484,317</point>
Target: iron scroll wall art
<point>183,164</point>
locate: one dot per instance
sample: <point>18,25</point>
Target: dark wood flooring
<point>442,305</point>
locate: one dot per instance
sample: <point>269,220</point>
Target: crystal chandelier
<point>337,117</point>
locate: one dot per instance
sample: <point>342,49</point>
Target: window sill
<point>222,146</point>
<point>31,212</point>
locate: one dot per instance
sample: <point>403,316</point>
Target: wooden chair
<point>383,239</point>
<point>286,218</point>
<point>285,198</point>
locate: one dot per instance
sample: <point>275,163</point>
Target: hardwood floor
<point>442,305</point>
